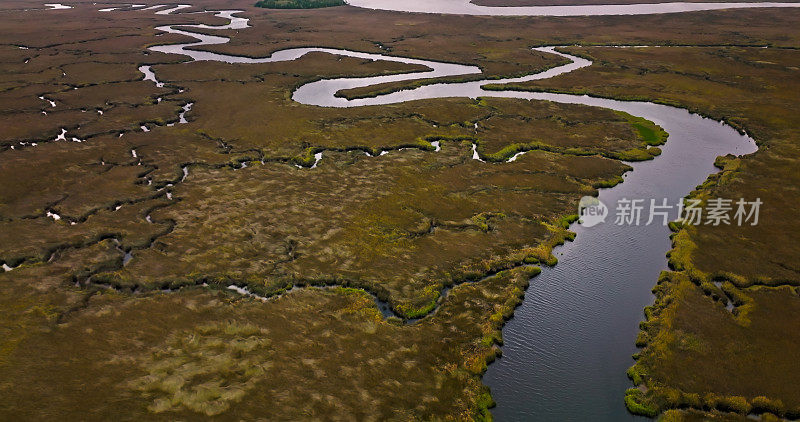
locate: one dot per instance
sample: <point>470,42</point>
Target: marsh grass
<point>649,132</point>
<point>205,370</point>
<point>637,403</point>
<point>228,228</point>
<point>671,365</point>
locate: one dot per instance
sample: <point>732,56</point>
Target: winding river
<point>569,344</point>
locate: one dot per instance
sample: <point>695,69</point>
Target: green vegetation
<point>651,133</point>
<point>610,183</point>
<point>184,372</point>
<point>542,64</point>
<point>400,226</point>
<point>687,327</point>
<point>325,351</point>
<point>636,403</point>
<point>298,4</point>
<point>694,347</point>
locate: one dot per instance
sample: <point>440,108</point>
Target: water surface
<point>568,347</point>
<point>464,7</point>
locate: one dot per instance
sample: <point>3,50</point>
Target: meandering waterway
<point>569,344</point>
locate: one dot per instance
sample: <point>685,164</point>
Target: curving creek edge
<point>568,346</point>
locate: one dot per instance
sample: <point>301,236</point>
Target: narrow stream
<point>569,344</point>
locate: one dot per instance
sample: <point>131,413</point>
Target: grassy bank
<point>697,354</point>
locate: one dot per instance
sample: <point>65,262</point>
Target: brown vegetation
<point>401,226</point>
<point>752,88</point>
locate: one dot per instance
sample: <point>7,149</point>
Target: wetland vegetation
<point>128,286</point>
<point>731,359</point>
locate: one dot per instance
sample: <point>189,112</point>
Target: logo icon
<point>591,211</point>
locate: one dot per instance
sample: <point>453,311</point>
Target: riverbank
<point>214,237</point>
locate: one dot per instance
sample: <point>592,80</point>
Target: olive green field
<point>127,249</point>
